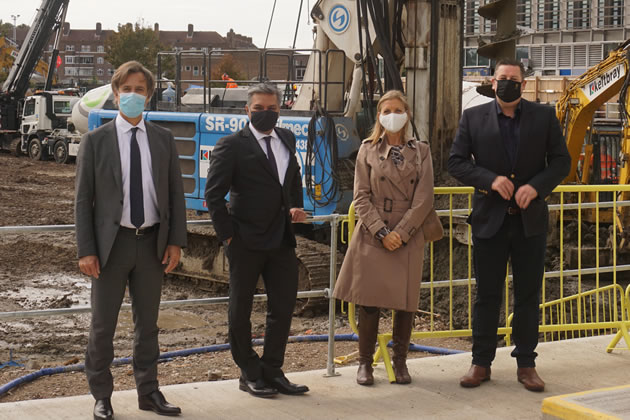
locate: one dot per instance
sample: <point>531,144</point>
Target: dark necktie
<point>135,182</point>
<point>271,157</point>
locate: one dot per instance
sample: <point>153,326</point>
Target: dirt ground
<point>39,271</point>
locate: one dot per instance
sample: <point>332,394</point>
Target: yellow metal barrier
<point>585,312</point>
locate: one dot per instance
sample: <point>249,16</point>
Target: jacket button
<point>382,178</point>
<point>382,158</point>
<point>512,176</point>
<point>116,223</point>
<point>411,181</point>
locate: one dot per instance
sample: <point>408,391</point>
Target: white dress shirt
<point>149,198</point>
<point>278,148</point>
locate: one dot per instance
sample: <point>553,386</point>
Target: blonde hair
<point>128,68</point>
<point>378,130</point>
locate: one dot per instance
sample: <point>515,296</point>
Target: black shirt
<point>510,130</point>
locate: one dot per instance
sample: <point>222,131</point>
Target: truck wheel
<point>61,152</point>
<point>36,149</point>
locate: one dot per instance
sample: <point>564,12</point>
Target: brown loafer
<point>530,379</point>
<point>475,376</point>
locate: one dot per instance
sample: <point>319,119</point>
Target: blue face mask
<point>132,104</point>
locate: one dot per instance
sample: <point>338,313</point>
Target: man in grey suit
<point>130,220</point>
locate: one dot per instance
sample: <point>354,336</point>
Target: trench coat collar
<point>394,174</point>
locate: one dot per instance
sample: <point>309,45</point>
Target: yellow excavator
<point>9,52</point>
<point>599,147</point>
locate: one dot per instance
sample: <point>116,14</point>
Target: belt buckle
<point>139,232</point>
<point>388,205</point>
<point>512,211</point>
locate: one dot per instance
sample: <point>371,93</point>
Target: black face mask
<point>508,90</point>
<point>264,120</point>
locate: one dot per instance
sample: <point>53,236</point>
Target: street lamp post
<point>14,17</point>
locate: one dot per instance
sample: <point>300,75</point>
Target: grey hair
<point>265,89</point>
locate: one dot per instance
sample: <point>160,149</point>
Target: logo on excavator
<point>339,18</point>
<point>597,86</point>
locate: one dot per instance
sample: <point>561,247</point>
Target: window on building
<point>186,68</point>
<point>609,13</point>
<point>99,72</point>
<point>110,72</point>
<point>299,73</point>
<point>71,71</point>
<point>578,14</point>
<point>196,71</point>
<point>69,47</point>
<point>524,13</point>
<point>472,17</point>
<point>69,59</point>
<point>84,60</point>
<point>50,47</point>
<point>100,49</point>
<point>473,59</point>
<point>100,60</point>
<point>85,48</point>
<point>548,14</point>
<point>85,71</point>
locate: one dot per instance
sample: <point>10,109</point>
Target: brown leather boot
<point>475,376</point>
<point>530,379</point>
<point>403,324</point>
<point>368,330</point>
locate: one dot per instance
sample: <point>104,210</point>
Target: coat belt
<point>388,205</point>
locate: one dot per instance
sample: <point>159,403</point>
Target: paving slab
<point>605,403</point>
<point>569,366</point>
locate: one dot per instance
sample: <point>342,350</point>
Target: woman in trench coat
<point>393,194</point>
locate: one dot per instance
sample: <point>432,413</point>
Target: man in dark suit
<point>513,152</point>
<point>258,167</point>
<point>130,225</point>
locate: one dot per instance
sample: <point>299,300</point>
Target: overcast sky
<point>246,17</point>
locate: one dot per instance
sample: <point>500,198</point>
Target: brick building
<point>82,51</point>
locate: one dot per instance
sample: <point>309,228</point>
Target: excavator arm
<point>584,96</point>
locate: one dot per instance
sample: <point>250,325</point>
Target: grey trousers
<point>133,261</point>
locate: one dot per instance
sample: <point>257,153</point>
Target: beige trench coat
<point>400,198</point>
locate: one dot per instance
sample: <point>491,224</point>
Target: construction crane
<point>48,20</point>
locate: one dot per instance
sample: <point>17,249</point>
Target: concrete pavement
<point>567,367</point>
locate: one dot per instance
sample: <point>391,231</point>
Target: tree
<point>133,42</point>
<point>230,66</point>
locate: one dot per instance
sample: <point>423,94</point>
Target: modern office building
<point>561,37</point>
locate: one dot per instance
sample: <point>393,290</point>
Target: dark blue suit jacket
<point>478,156</point>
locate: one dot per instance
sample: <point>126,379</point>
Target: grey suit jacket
<point>99,192</point>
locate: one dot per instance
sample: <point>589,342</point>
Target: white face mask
<point>393,122</point>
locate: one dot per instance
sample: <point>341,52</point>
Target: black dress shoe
<point>156,402</point>
<point>256,388</point>
<point>284,386</point>
<point>103,409</point>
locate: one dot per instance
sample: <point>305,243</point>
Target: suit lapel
<point>292,162</point>
<point>115,150</point>
<point>258,151</point>
<point>152,138</point>
<point>524,129</point>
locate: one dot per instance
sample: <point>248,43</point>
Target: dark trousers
<point>133,261</point>
<point>278,268</point>
<point>527,256</point>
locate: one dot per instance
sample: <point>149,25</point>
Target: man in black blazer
<point>258,167</point>
<point>513,152</point>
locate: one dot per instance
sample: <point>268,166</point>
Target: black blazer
<point>258,211</point>
<point>478,156</point>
